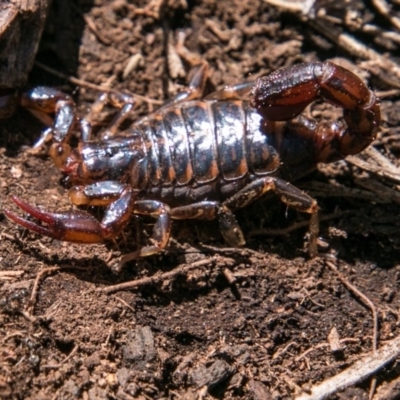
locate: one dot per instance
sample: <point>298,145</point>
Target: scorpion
<point>200,157</point>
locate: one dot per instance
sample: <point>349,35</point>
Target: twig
<point>345,41</point>
<point>374,154</point>
<point>229,276</point>
<point>382,191</point>
<point>14,334</point>
<point>296,226</point>
<point>56,366</point>
<point>10,274</point>
<point>98,88</point>
<point>36,284</point>
<point>322,345</point>
<point>28,316</point>
<point>358,372</point>
<point>39,275</point>
<point>369,167</point>
<point>386,11</point>
<point>358,49</point>
<point>180,270</point>
<point>283,351</point>
<point>363,297</point>
<point>125,304</point>
<point>371,305</point>
<point>92,26</point>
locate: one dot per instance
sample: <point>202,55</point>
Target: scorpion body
<point>199,150</point>
<point>203,158</point>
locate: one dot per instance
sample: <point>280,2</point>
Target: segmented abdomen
<point>200,142</point>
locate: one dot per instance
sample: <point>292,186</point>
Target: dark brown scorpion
<point>202,158</point>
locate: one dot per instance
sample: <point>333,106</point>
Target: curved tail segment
<point>284,94</point>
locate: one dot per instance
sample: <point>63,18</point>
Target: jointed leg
<point>288,194</point>
<point>236,92</point>
<point>44,102</point>
<point>207,210</point>
<point>162,227</point>
<point>195,89</point>
<point>124,102</point>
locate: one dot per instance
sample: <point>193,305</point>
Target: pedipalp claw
<point>72,226</point>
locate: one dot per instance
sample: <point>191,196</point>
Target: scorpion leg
<point>162,227</point>
<point>288,194</point>
<point>110,192</point>
<point>126,103</point>
<point>195,89</point>
<point>236,92</point>
<point>43,102</point>
<point>208,210</point>
<point>161,230</point>
<point>123,101</point>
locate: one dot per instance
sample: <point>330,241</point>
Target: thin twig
<point>363,297</point>
<point>387,12</point>
<point>358,372</point>
<point>40,274</point>
<point>36,284</point>
<point>92,26</point>
<point>324,344</point>
<point>380,190</point>
<point>180,270</point>
<point>125,304</point>
<point>56,366</point>
<point>82,83</point>
<point>369,167</point>
<point>9,274</point>
<point>296,226</point>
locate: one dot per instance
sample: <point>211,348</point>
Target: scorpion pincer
<point>201,157</point>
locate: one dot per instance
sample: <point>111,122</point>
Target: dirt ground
<point>225,323</point>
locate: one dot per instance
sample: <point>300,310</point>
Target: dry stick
<point>343,40</point>
<point>125,304</point>
<point>358,372</point>
<point>386,11</point>
<point>371,305</point>
<point>380,190</point>
<point>377,170</point>
<point>36,285</point>
<point>56,366</point>
<point>358,49</point>
<point>92,26</point>
<point>179,270</point>
<point>88,85</point>
<point>9,274</point>
<point>39,275</point>
<point>363,297</point>
<point>381,94</point>
<point>297,225</point>
<point>322,345</point>
<point>374,154</point>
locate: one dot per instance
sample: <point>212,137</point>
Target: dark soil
<point>199,334</point>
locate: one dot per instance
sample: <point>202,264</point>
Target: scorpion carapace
<point>201,158</point>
